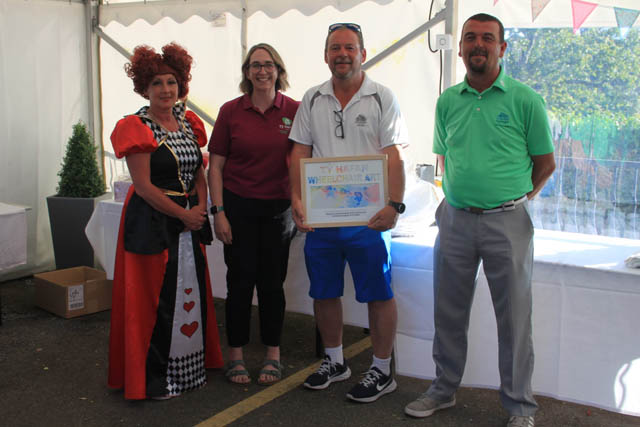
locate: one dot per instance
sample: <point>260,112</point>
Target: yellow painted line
<point>240,409</point>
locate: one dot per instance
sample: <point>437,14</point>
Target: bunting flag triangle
<point>581,11</point>
<point>536,7</point>
<point>495,2</point>
<point>626,17</point>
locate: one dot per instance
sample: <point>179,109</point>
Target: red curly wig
<point>146,64</point>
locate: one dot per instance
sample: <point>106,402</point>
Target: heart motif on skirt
<point>188,291</point>
<point>189,329</point>
<point>188,305</point>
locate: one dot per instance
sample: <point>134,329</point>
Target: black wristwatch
<point>398,206</point>
<point>216,209</point>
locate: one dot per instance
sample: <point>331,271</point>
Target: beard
<point>478,68</point>
<point>342,75</point>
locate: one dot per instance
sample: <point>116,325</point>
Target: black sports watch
<point>216,209</point>
<point>398,206</point>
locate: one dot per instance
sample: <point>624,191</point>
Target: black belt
<point>506,206</point>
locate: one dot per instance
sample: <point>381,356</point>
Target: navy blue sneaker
<point>374,385</point>
<point>327,373</point>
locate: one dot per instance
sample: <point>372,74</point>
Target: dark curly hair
<point>146,64</point>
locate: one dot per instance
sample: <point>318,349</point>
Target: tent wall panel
<point>43,92</point>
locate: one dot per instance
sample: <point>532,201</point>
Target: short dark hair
<point>485,17</point>
<point>281,83</point>
<point>347,27</point>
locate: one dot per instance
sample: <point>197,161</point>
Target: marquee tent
<point>60,63</point>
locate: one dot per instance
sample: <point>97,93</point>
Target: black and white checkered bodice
<point>178,155</point>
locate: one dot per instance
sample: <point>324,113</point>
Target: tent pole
<point>93,79</point>
<point>244,30</point>
<point>111,42</point>
<point>440,16</point>
<point>448,15</point>
<point>450,26</point>
<point>114,44</point>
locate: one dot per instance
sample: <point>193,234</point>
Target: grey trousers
<point>504,243</point>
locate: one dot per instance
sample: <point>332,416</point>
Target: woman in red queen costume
<point>163,324</point>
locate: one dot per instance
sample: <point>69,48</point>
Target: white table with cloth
<point>586,311</point>
<point>13,236</point>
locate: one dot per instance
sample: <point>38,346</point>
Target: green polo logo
<point>502,119</point>
<point>286,126</point>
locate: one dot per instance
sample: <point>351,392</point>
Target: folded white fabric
<point>422,199</point>
<point>633,261</point>
<point>121,188</point>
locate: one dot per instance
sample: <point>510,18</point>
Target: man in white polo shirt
<point>351,115</point>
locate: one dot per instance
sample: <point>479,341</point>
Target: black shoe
<point>328,373</point>
<point>374,385</point>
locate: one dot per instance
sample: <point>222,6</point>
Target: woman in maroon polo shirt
<point>249,185</point>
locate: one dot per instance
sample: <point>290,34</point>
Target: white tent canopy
<point>43,92</point>
<point>217,48</point>
<point>127,11</point>
<point>53,72</point>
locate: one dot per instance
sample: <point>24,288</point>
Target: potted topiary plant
<point>81,185</point>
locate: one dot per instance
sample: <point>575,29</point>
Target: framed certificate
<point>343,191</point>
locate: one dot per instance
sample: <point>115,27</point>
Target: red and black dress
<point>163,324</point>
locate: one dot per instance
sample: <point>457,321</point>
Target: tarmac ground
<point>53,373</point>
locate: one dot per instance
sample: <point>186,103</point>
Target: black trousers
<point>257,258</point>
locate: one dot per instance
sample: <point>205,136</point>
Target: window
<point>591,83</point>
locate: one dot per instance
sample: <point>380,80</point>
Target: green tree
<point>593,73</point>
<point>591,84</point>
<point>80,176</point>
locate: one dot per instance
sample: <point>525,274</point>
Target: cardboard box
<point>73,291</point>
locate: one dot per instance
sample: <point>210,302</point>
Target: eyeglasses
<point>350,26</point>
<point>268,66</point>
<point>339,131</point>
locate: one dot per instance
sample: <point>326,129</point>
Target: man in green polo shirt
<point>492,137</point>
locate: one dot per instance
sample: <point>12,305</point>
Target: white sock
<point>335,354</point>
<point>384,365</point>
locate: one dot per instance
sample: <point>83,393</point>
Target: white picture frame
<point>343,191</point>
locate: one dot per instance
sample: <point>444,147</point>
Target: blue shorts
<point>368,252</point>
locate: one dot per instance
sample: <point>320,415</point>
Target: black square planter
<point>68,217</point>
